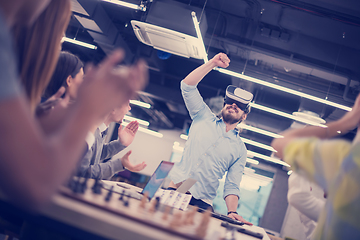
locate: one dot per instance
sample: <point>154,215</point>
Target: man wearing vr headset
<point>213,146</point>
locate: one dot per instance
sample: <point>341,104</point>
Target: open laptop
<point>186,185</point>
<point>151,187</point>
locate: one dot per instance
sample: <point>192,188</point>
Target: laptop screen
<point>157,178</point>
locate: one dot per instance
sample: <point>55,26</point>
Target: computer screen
<point>157,178</point>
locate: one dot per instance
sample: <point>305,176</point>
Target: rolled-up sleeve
<point>194,102</point>
<point>234,176</point>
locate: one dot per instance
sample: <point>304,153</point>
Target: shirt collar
<point>235,130</point>
<point>102,127</point>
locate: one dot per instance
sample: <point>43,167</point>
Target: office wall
<point>152,149</point>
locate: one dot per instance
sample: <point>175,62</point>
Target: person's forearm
<point>35,164</point>
<point>199,73</point>
<point>231,202</point>
<point>111,148</point>
<point>333,129</point>
<point>105,170</point>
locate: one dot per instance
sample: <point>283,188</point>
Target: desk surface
<point>111,219</point>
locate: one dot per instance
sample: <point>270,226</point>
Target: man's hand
<point>127,134</point>
<point>231,204</point>
<point>239,218</point>
<point>221,60</point>
<point>133,168</point>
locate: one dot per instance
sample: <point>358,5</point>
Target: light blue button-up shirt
<point>209,152</point>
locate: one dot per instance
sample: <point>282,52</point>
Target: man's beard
<point>228,118</point>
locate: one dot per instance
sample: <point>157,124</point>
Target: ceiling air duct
<point>169,27</point>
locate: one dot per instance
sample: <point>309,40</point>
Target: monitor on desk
<point>157,178</point>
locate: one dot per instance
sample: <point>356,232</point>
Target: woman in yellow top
<point>335,166</point>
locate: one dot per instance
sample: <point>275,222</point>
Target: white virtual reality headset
<point>240,97</point>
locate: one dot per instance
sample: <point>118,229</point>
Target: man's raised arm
<point>219,60</point>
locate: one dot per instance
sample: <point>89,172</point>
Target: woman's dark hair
<point>67,65</point>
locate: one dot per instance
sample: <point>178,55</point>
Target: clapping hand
<point>128,165</point>
<point>127,134</point>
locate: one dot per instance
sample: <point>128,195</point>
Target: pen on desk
<point>122,186</point>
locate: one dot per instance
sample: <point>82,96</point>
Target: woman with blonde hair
<point>39,46</point>
<point>34,163</point>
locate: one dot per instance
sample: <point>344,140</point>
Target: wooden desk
<point>91,213</point>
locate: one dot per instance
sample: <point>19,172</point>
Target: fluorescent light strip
<point>245,140</point>
<point>257,144</point>
<point>87,45</point>
<point>141,104</point>
<point>254,154</point>
<point>261,178</point>
<point>199,36</point>
<point>258,130</point>
<point>249,170</point>
<point>249,160</point>
<point>145,130</point>
<point>183,136</point>
<point>178,148</point>
<point>284,89</point>
<point>267,158</point>
<point>299,119</point>
<point>264,83</point>
<point>151,132</point>
<point>126,4</point>
<point>142,122</point>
